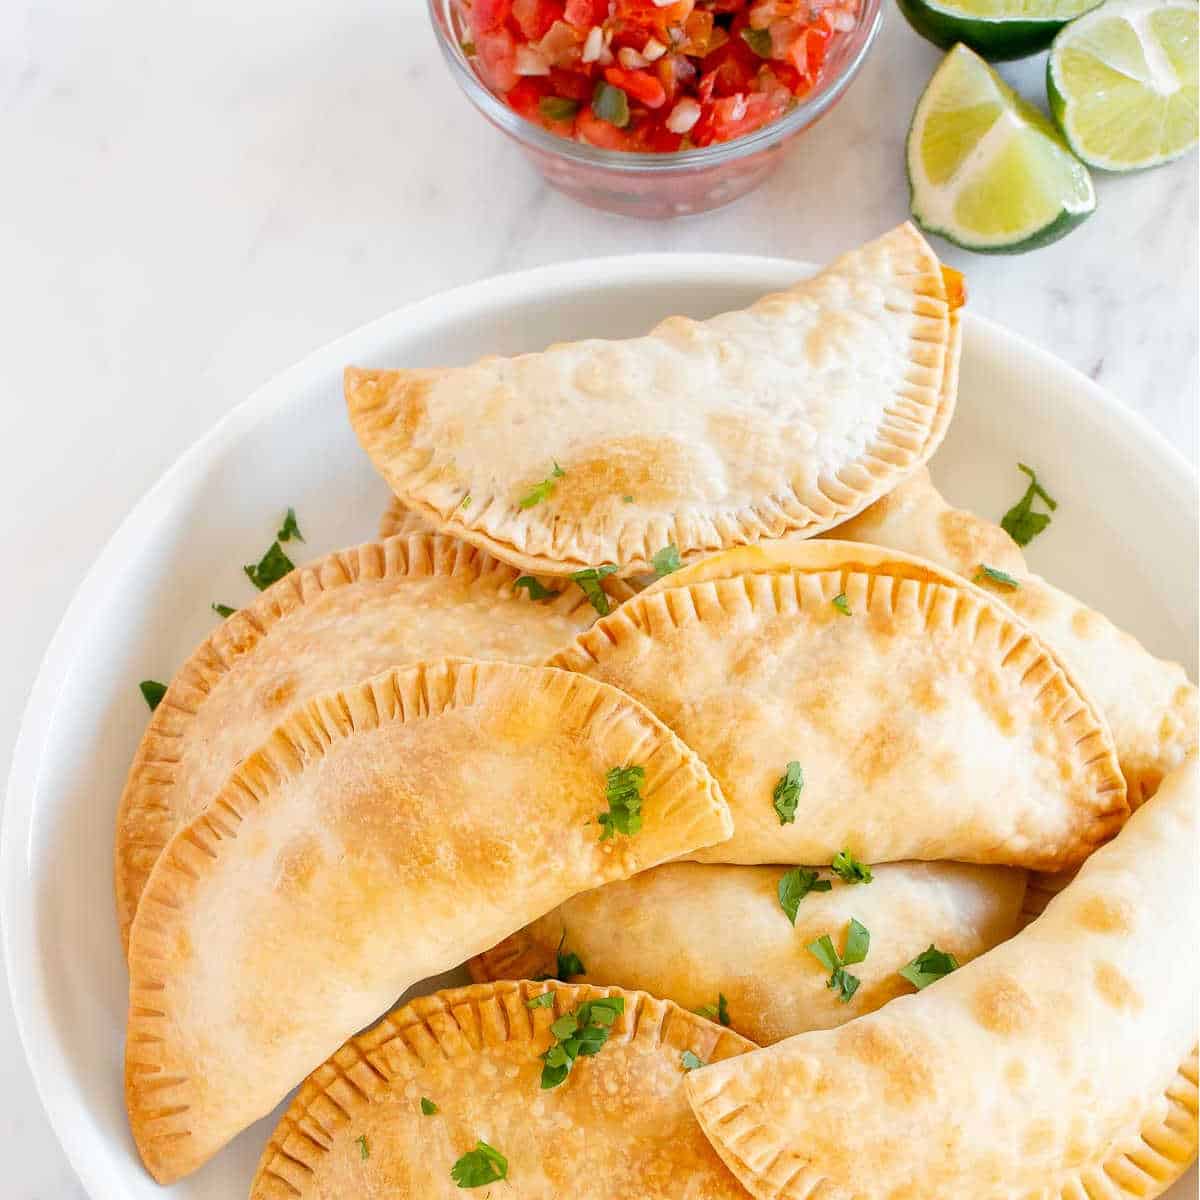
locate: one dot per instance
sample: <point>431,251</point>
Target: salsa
<point>652,75</point>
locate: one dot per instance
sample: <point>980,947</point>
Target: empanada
<point>1060,1064</point>
<point>788,416</point>
<point>399,519</point>
<point>384,833</point>
<point>1150,706</point>
<point>695,931</point>
<point>617,1128</point>
<point>331,623</point>
<point>924,720</point>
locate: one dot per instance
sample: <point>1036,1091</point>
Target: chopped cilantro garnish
<point>759,40</point>
<point>535,589</point>
<point>153,692</point>
<point>610,104</point>
<point>579,1033</point>
<point>849,868</point>
<point>428,1107</point>
<point>1021,523</point>
<point>627,499</point>
<point>623,792</point>
<point>589,582</point>
<point>795,885</point>
<point>479,1167</point>
<point>557,108</point>
<point>540,491</point>
<point>928,967</point>
<point>363,1149</point>
<point>690,1061</point>
<point>787,793</point>
<point>842,604</point>
<point>666,560</point>
<point>466,501</point>
<point>224,610</point>
<point>716,1012</point>
<point>271,568</point>
<point>289,529</point>
<point>858,942</point>
<point>568,963</point>
<point>545,1000</point>
<point>986,573</point>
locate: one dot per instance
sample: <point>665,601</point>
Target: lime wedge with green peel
<point>994,28</point>
<point>986,169</point>
<point>1122,83</point>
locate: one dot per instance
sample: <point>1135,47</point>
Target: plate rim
<point>17,922</point>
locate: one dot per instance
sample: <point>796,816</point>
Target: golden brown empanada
<point>1151,708</point>
<point>384,833</point>
<point>1060,1064</point>
<point>399,519</point>
<point>696,931</point>
<point>331,623</point>
<point>617,1128</point>
<point>928,723</point>
<point>788,416</point>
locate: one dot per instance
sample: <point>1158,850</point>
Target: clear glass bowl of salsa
<point>654,108</point>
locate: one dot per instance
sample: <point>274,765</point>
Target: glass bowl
<point>659,185</point>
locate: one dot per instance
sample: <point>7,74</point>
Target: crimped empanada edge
<point>882,464</point>
<point>451,1026</point>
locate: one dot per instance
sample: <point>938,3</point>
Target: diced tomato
<point>497,54</point>
<point>583,14</point>
<point>591,129</point>
<point>734,64</point>
<point>638,85</point>
<point>486,15</point>
<point>697,32</point>
<point>527,94</point>
<point>536,16</point>
<point>807,52</point>
<point>571,84</point>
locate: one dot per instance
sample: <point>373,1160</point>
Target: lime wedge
<point>986,169</point>
<point>995,28</point>
<point>1122,83</point>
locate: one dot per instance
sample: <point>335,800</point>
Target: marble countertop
<point>194,197</point>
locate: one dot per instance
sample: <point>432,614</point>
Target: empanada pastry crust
<point>786,417</point>
<point>398,518</point>
<point>618,1128</point>
<point>1151,707</point>
<point>929,722</point>
<point>694,931</point>
<point>1062,1064</point>
<point>330,623</point>
<point>384,833</point>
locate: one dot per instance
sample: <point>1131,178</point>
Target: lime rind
<point>1122,84</point>
<point>997,31</point>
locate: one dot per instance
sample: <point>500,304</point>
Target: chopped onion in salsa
<point>653,75</point>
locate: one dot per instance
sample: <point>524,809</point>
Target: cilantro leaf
<point>759,40</point>
<point>848,868</point>
<point>544,1000</point>
<point>542,491</point>
<point>666,560</point>
<point>994,575</point>
<point>557,108</point>
<point>690,1061</point>
<point>787,793</point>
<point>623,793</point>
<point>271,568</point>
<point>428,1108</point>
<point>223,610</point>
<point>928,967</point>
<point>479,1167</point>
<point>578,1034</point>
<point>569,965</point>
<point>1021,523</point>
<point>795,885</point>
<point>716,1012</point>
<point>466,501</point>
<point>858,942</point>
<point>589,581</point>
<point>153,692</point>
<point>824,952</point>
<point>363,1149</point>
<point>627,499</point>
<point>844,984</point>
<point>289,529</point>
<point>534,588</point>
<point>842,604</point>
<point>610,104</point>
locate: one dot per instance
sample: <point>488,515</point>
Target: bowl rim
<point>851,56</point>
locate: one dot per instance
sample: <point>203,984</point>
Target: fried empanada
<point>1151,707</point>
<point>617,1128</point>
<point>785,417</point>
<point>695,931</point>
<point>399,519</point>
<point>1060,1064</point>
<point>384,833</point>
<point>331,623</point>
<point>920,719</point>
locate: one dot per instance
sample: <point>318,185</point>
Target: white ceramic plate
<point>1124,538</point>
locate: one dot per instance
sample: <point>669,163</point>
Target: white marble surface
<point>193,196</point>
